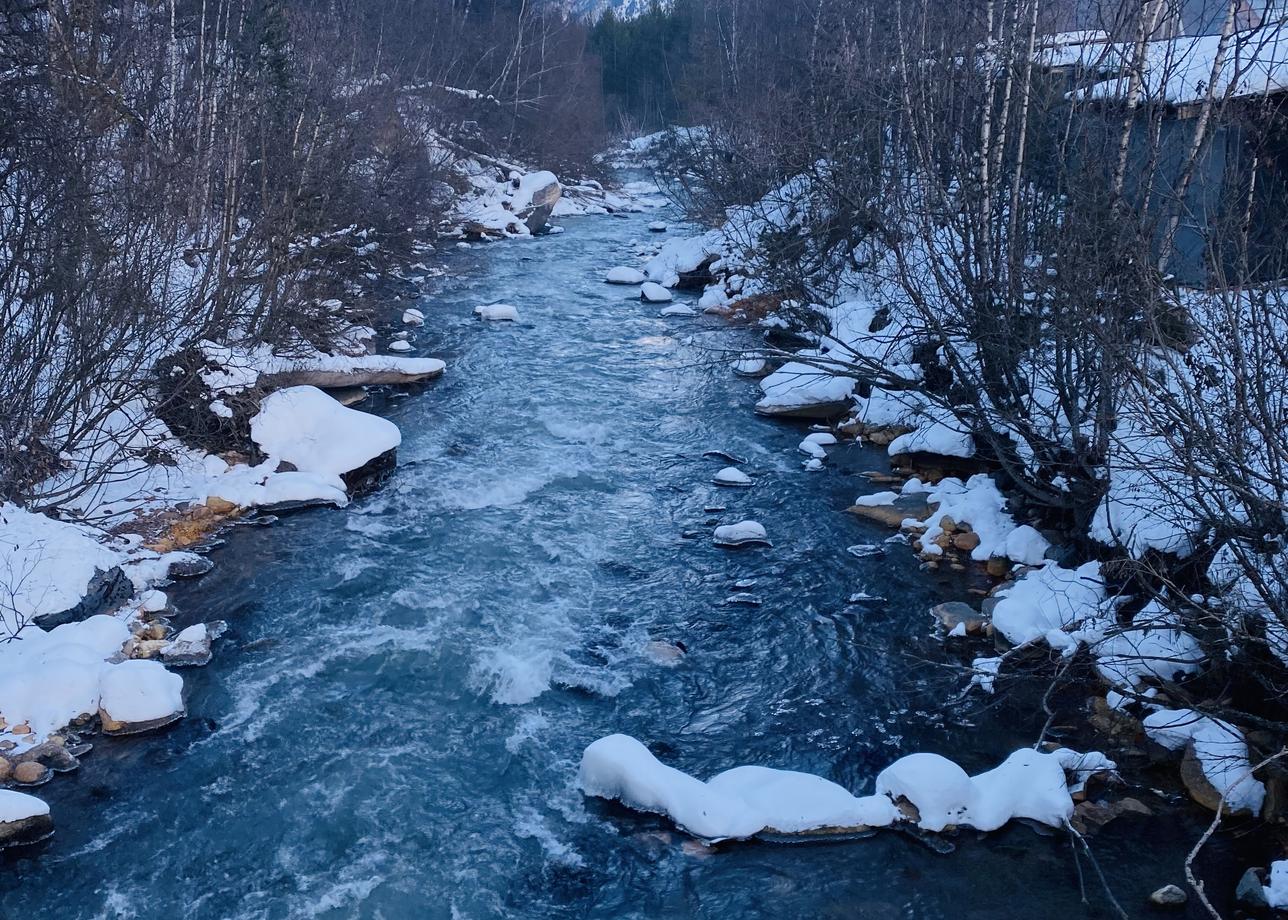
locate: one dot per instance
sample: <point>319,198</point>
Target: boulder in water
<point>732,477</point>
<point>623,274</point>
<point>652,292</point>
<point>744,533</point>
<point>497,312</point>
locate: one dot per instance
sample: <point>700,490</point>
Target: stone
<point>966,542</point>
<point>1197,784</point>
<point>30,773</point>
<point>895,513</point>
<point>954,613</point>
<point>947,524</point>
<point>998,566</point>
<point>217,505</point>
<point>22,728</point>
<point>1169,896</point>
<point>106,591</point>
<point>1251,892</point>
<point>6,770</point>
<point>26,832</point>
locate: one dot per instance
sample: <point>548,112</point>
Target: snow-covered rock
<point>814,445</point>
<point>651,292</point>
<point>657,227</point>
<point>314,433</point>
<point>1220,749</point>
<point>750,800</point>
<point>497,312</point>
<point>24,819</point>
<point>678,309</point>
<point>737,803</point>
<point>801,390</point>
<point>623,274</point>
<point>744,533</point>
<point>750,367</point>
<point>139,695</point>
<point>1048,600</point>
<point>413,317</point>
<point>732,477</point>
<point>400,345</point>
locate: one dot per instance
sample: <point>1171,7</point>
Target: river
<point>392,726</point>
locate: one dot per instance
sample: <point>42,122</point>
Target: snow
<point>678,309</point>
<point>497,312</point>
<point>740,533</point>
<point>1028,784</point>
<point>980,503</point>
<point>18,806</point>
<point>796,386</point>
<point>654,293</point>
<point>310,430</point>
<point>1277,890</point>
<point>737,803</point>
<point>814,445</point>
<point>625,275</point>
<point>45,565</point>
<point>940,433</point>
<point>1153,647</point>
<point>1220,748</point>
<point>748,800</point>
<point>262,487</point>
<point>140,691</point>
<point>733,477</point>
<point>1047,600</point>
<point>1181,70</point>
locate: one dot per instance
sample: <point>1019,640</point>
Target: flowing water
<point>391,728</point>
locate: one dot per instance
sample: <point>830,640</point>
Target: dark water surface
<point>392,727</point>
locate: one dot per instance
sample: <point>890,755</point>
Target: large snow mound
<point>314,433</point>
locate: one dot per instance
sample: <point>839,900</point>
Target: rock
<point>139,696</point>
<point>1251,892</point>
<point>966,542</point>
<point>497,312</point>
<point>400,345</point>
<point>106,591</point>
<point>349,396</point>
<point>413,317</point>
<point>751,367</point>
<point>998,566</point>
<point>665,653</point>
<point>955,613</point>
<point>744,533</point>
<point>545,192</point>
<point>1197,784</point>
<point>28,819</point>
<point>193,647</point>
<point>895,513</point>
<point>6,770</point>
<point>1169,896</point>
<point>217,505</point>
<point>651,292</point>
<point>364,371</point>
<point>625,275</point>
<point>732,477</point>
<point>679,309</point>
<point>657,227</point>
<point>31,773</point>
<point>22,728</point>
